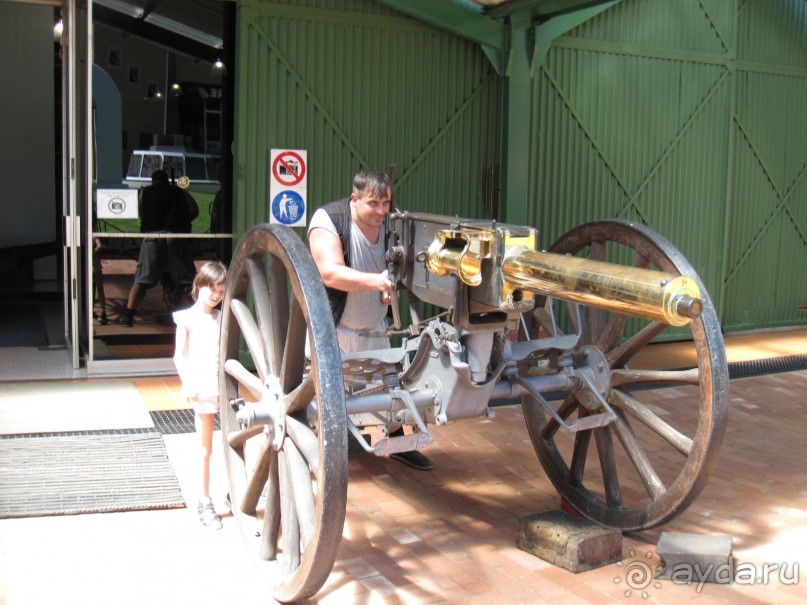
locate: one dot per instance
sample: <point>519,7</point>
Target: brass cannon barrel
<point>656,295</point>
<point>665,297</point>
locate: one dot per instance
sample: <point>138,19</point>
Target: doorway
<point>66,269</point>
<point>32,276</point>
<point>159,103</point>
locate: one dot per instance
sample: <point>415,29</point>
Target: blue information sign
<point>288,207</point>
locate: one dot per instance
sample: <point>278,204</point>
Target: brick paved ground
<point>446,536</point>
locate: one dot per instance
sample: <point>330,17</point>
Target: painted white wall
<point>27,153</point>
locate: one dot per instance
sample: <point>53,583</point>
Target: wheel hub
<point>592,362</point>
<point>269,411</point>
<point>273,398</point>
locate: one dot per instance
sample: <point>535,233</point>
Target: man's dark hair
<point>371,181</point>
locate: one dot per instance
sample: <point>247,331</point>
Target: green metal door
<point>631,121</point>
<point>359,85</point>
<point>688,116</point>
<point>766,237</point>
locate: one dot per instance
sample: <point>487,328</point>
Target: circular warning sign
<point>288,207</point>
<point>288,169</point>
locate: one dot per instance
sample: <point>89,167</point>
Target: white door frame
<point>71,174</point>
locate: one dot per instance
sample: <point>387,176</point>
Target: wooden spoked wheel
<point>297,458</point>
<point>650,463</point>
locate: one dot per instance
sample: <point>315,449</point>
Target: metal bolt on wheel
<point>293,457</point>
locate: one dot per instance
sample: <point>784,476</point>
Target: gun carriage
<point>557,329</point>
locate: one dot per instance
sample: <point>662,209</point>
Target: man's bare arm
<point>326,248</point>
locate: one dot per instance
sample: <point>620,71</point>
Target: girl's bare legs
<point>205,423</point>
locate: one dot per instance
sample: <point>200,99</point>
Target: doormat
<point>21,325</point>
<point>71,475</point>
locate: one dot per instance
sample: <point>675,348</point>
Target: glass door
<point>151,109</point>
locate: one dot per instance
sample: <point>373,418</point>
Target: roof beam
<point>540,8</point>
<point>559,25</point>
<point>148,31</point>
<point>455,18</point>
<point>463,21</point>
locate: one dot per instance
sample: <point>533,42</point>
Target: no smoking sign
<point>287,187</point>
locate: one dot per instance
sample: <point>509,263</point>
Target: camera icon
<point>116,205</point>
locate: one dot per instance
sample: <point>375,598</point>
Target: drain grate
<point>176,422</point>
<point>747,369</point>
<point>774,365</point>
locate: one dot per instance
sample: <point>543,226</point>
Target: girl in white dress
<point>197,360</point>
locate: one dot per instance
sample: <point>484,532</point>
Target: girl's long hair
<point>212,273</point>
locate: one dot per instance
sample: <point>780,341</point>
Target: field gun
<point>556,330</point>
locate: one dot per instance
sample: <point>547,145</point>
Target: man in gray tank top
<point>347,243</point>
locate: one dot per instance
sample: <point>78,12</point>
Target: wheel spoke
<point>271,514</point>
<point>301,396</point>
<point>261,300</point>
<point>276,312</point>
<point>636,377</point>
<point>636,409</point>
<point>252,335</point>
<point>306,441</point>
<point>605,451</point>
<point>619,356</point>
<point>577,468</point>
<point>597,250</point>
<point>237,439</point>
<point>594,325</point>
<point>638,457</point>
<point>612,332</point>
<point>293,364</point>
<point>545,321</point>
<point>234,368</point>
<point>640,261</point>
<point>302,489</point>
<point>249,503</point>
<point>290,526</point>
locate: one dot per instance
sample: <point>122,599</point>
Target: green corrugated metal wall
<point>689,116</point>
<point>359,85</point>
<point>766,255</point>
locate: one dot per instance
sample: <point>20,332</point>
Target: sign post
<point>288,176</point>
